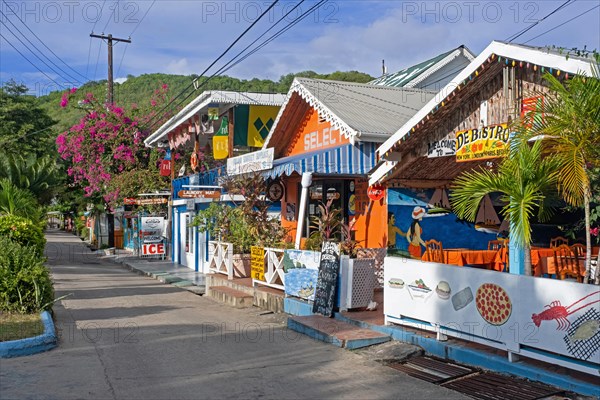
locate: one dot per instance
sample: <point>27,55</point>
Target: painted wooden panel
<point>314,135</point>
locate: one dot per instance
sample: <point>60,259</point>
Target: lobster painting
<point>558,312</point>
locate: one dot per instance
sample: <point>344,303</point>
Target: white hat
<point>418,212</point>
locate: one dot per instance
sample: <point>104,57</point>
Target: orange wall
<point>313,135</point>
<point>371,218</point>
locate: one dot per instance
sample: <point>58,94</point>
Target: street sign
<point>199,194</point>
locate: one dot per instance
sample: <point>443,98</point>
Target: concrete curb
<point>33,345</point>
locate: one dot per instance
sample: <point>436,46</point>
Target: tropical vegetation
<point>526,181</point>
<point>570,131</point>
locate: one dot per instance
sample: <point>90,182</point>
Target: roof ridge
<point>368,86</point>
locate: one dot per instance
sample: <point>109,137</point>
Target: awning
<point>349,159</point>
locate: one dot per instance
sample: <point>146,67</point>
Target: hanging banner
<point>481,144</point>
<point>213,113</point>
<point>168,154</point>
<point>165,168</point>
<point>531,110</point>
<point>221,141</point>
<point>252,124</point>
<point>257,263</point>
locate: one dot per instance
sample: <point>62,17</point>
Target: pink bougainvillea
<point>106,141</point>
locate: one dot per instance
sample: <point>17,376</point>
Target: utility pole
<point>110,39</point>
<point>110,218</point>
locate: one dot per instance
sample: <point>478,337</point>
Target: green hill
<point>139,90</point>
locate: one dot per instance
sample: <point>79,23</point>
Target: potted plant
<point>245,223</point>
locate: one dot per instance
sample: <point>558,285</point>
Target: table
<point>542,261</point>
<point>490,259</point>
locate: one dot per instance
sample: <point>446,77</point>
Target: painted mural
<point>418,215</point>
<point>301,268</point>
<point>518,313</point>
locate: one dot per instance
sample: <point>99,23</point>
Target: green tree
<point>18,202</point>
<point>40,176</point>
<point>24,126</point>
<point>527,183</point>
<point>571,135</point>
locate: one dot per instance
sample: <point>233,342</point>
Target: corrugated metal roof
<point>210,98</point>
<point>360,111</point>
<point>404,76</point>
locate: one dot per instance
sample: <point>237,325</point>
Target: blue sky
<point>184,37</point>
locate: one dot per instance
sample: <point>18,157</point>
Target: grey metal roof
<point>210,98</point>
<point>360,111</point>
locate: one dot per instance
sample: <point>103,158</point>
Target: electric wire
<point>159,114</point>
<point>88,60</point>
<point>140,21</point>
<point>29,61</point>
<point>37,56</point>
<point>98,58</point>
<point>110,16</point>
<point>515,36</point>
<point>99,16</point>
<point>41,41</point>
<point>566,22</point>
<point>264,43</point>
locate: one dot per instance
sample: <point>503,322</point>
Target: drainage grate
<point>431,370</point>
<point>500,387</point>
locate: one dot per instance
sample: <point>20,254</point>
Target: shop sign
<point>257,263</point>
<point>199,194</point>
<point>376,192</point>
<point>153,249</point>
<point>441,148</point>
<point>482,143</point>
<point>129,201</point>
<point>256,161</point>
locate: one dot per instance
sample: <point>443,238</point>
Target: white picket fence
<point>220,255</point>
<point>274,274</point>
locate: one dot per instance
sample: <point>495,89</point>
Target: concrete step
<point>336,332</point>
<point>232,297</point>
<point>263,297</point>
<point>182,283</point>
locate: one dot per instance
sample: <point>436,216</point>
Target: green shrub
<point>23,231</point>
<point>25,283</point>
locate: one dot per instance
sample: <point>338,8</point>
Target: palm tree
<point>39,176</point>
<point>527,183</point>
<point>570,127</point>
<point>18,202</point>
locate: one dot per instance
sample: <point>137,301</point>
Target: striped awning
<point>349,159</point>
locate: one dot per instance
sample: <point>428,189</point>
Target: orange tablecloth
<point>542,261</point>
<point>491,259</point>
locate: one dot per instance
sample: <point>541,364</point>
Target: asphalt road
<point>125,336</point>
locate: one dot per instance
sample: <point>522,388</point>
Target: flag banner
<point>252,124</point>
<point>221,141</point>
<point>213,113</point>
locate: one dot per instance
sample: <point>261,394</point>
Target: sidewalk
<point>163,270</point>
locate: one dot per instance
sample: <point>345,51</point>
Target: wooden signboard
<point>155,200</point>
<point>199,194</point>
<point>327,281</point>
<point>257,263</point>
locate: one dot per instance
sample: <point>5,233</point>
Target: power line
<point>140,21</point>
<point>97,59</point>
<point>558,26</point>
<point>110,16</point>
<point>122,57</point>
<point>99,16</point>
<point>41,41</point>
<point>88,60</point>
<point>38,57</point>
<point>515,36</point>
<point>158,114</point>
<point>28,60</point>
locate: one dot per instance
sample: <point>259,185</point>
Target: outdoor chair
<point>435,250</point>
<point>567,263</point>
<point>557,241</point>
<point>496,244</point>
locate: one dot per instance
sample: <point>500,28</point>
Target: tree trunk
<point>527,260</point>
<point>588,236</point>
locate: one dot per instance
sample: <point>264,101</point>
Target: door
<point>190,243</point>
<point>183,241</point>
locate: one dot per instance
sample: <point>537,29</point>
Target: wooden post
<point>230,131</point>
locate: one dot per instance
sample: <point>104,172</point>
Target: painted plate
<point>493,303</point>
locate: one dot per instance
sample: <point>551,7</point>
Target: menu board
<point>257,263</point>
<point>327,280</point>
